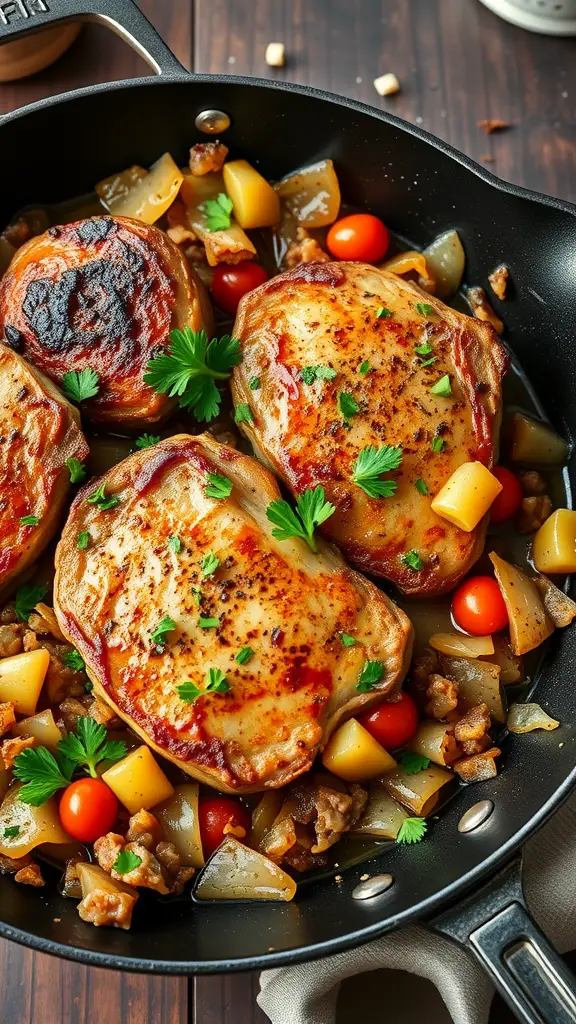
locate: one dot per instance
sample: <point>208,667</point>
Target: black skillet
<point>58,148</point>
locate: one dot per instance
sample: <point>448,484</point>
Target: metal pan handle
<point>21,17</point>
<point>496,926</point>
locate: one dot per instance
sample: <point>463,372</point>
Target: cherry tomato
<point>507,503</point>
<point>230,283</point>
<point>88,809</point>
<point>361,236</point>
<point>392,723</point>
<point>478,606</point>
<point>214,813</point>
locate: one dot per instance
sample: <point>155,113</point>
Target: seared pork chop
<point>256,623</point>
<point>104,294</point>
<point>39,430</point>
<point>381,345</point>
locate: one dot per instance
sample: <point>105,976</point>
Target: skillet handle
<point>496,926</point>
<point>22,17</point>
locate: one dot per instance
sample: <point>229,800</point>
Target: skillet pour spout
<point>537,237</point>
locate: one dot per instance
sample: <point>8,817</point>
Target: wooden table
<point>458,64</point>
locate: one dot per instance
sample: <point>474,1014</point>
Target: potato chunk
<point>138,781</point>
<point>554,546</point>
<point>256,204</point>
<point>467,495</point>
<point>353,754</point>
<point>21,679</point>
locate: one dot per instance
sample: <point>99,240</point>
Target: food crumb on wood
<point>364,878</point>
<point>487,158</point>
<point>499,280</point>
<point>387,85</point>
<point>338,879</point>
<point>493,124</point>
<point>276,55</point>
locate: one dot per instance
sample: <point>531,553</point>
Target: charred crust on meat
<point>14,338</point>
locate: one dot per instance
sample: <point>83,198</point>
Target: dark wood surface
<point>457,64</point>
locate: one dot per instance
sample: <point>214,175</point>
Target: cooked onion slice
<point>529,623</point>
<point>560,607</point>
<point>178,816</point>
<point>456,643</point>
<point>436,741</point>
<point>419,793</point>
<point>511,665</point>
<point>445,260</point>
<point>151,195</point>
<point>405,262</point>
<point>36,825</point>
<point>235,872</point>
<point>383,817</point>
<point>311,195</point>
<point>479,683</point>
<point>527,717</point>
<point>535,443</point>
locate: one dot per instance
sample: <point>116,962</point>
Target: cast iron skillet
<point>58,148</point>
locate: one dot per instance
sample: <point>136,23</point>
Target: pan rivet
<point>372,887</point>
<point>475,816</point>
<point>212,122</point>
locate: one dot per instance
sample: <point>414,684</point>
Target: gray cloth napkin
<point>307,993</point>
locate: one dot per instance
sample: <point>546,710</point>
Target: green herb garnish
<point>27,597</point>
<point>74,660</point>
<point>218,486</point>
<point>244,655</point>
<point>370,464</point>
<point>421,486</point>
<point>370,676</point>
<point>243,413</point>
<point>208,623</point>
<point>30,520</point>
<point>413,763</point>
<point>347,405</point>
<point>423,308</point>
<point>311,373</point>
<point>159,635</point>
<point>125,862</point>
<point>216,681</point>
<point>437,444</point>
<point>12,831</point>
<point>89,746</point>
<point>382,312</point>
<point>190,368</point>
<point>442,387</point>
<point>254,384</point>
<point>80,386</point>
<point>188,691</point>
<point>423,350</point>
<point>311,510</point>
<point>209,564</point>
<point>413,560</point>
<point>83,540</point>
<point>412,830</point>
<point>175,544</point>
<point>100,499</point>
<point>347,641</point>
<point>217,212</point>
<point>42,773</point>
<point>77,470</point>
<point>146,441</point>
<point>364,368</point>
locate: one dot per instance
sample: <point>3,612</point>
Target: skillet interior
<point>58,150</point>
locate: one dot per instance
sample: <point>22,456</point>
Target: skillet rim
<point>487,867</point>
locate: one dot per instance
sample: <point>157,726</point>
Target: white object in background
<point>550,17</point>
<point>387,85</point>
<point>275,55</point>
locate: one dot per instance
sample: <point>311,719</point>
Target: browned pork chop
<point>211,565</point>
<point>389,344</point>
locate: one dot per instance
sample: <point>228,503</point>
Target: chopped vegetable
<point>27,597</point>
<point>103,501</point>
<point>359,236</point>
<point>467,495</point>
<point>190,369</point>
<point>478,682</point>
<point>311,511</point>
<point>535,443</point>
<point>42,727</point>
<point>445,260</point>
<point>412,830</point>
<point>353,754</point>
<point>159,635</point>
<point>347,405</point>
<point>393,722</point>
<point>89,746</point>
<point>243,413</point>
<point>219,486</point>
<point>178,817</point>
<point>527,717</point>
<point>311,196</point>
<point>210,563</point>
<point>371,674</point>
<point>529,623</point>
<point>560,608</point>
<point>413,763</point>
<point>413,560</point>
<point>482,309</point>
<point>229,246</point>
<point>21,679</point>
<point>77,470</point>
<point>138,781</point>
<point>78,386</point>
<point>152,194</point>
<point>88,809</point>
<point>146,441</point>
<point>244,655</point>
<point>411,262</point>
<point>511,667</point>
<point>478,767</point>
<point>434,741</point>
<point>275,55</point>
<point>468,646</point>
<point>97,884</point>
<point>554,546</point>
<point>369,466</point>
<point>382,817</point>
<point>175,545</point>
<point>419,793</point>
<point>36,824</point>
<point>478,606</point>
<point>387,85</point>
<point>218,212</point>
<point>256,204</point>
<point>237,872</point>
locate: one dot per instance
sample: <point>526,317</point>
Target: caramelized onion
<point>529,623</point>
<point>457,644</point>
<point>527,717</point>
<point>445,260</point>
<point>235,872</point>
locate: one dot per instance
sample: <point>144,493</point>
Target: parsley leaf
<point>311,373</point>
<point>243,413</point>
<point>190,368</point>
<point>197,595</point>
<point>412,830</point>
<point>442,387</point>
<point>208,623</point>
<point>99,498</point>
<point>218,486</point>
<point>383,313</point>
<point>254,384</point>
<point>364,368</point>
<point>244,655</point>
<point>188,691</point>
<point>146,441</point>
<point>74,660</point>
<point>82,385</point>
<point>175,544</point>
<point>347,641</point>
<point>158,635</point>
<point>125,862</point>
<point>30,520</point>
<point>312,510</point>
<point>210,563</point>
<point>77,470</point>
<point>83,540</point>
<point>12,831</point>
<point>423,350</point>
<point>413,560</point>
<point>413,763</point>
<point>428,362</point>
<point>423,308</point>
<point>216,681</point>
<point>42,773</point>
<point>217,212</point>
<point>347,405</point>
<point>370,464</point>
<point>89,745</point>
<point>27,597</point>
<point>437,444</point>
<point>421,486</point>
<point>371,674</point>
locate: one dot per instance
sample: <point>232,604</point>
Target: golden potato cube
<point>256,204</point>
<point>42,726</point>
<point>353,754</point>
<point>138,781</point>
<point>21,679</point>
<point>467,495</point>
<point>554,546</point>
<point>149,199</point>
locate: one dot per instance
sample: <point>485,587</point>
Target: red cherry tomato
<point>361,236</point>
<point>230,283</point>
<point>392,723</point>
<point>478,606</point>
<point>214,813</point>
<point>507,503</point>
<point>88,809</point>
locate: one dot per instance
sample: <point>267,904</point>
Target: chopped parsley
<point>125,862</point>
<point>209,564</point>
<point>347,405</point>
<point>146,441</point>
<point>364,368</point>
<point>370,464</point>
<point>78,386</point>
<point>243,413</point>
<point>175,544</point>
<point>12,831</point>
<point>442,387</point>
<point>421,486</point>
<point>428,362</point>
<point>437,444</point>
<point>424,308</point>
<point>217,212</point>
<point>371,674</point>
<point>83,540</point>
<point>254,384</point>
<point>412,830</point>
<point>216,681</point>
<point>311,373</point>
<point>159,635</point>
<point>100,499</point>
<point>89,746</point>
<point>413,560</point>
<point>191,368</point>
<point>208,623</point>
<point>311,510</point>
<point>423,350</point>
<point>347,641</point>
<point>413,763</point>
<point>244,655</point>
<point>74,660</point>
<point>218,486</point>
<point>27,597</point>
<point>77,470</point>
<point>30,520</point>
<point>188,691</point>
<point>383,313</point>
